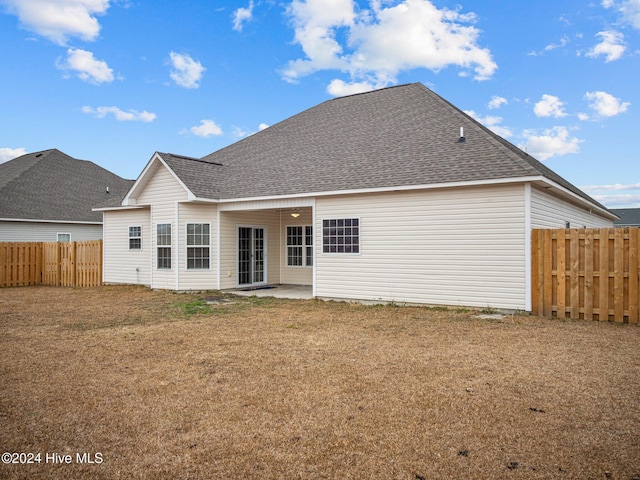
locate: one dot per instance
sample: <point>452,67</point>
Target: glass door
<point>251,256</point>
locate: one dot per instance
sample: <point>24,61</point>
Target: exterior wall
<point>294,275</point>
<point>47,232</point>
<point>549,211</point>
<point>462,246</point>
<point>122,265</point>
<point>196,279</point>
<point>229,222</point>
<point>163,192</point>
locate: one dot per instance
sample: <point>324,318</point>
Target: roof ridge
<point>194,159</point>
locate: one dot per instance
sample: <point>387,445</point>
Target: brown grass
<point>265,388</point>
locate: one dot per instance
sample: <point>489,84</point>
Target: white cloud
<point>552,142</point>
<point>497,102</point>
<point>605,104</point>
<point>242,15</point>
<point>549,106</point>
<point>615,195</point>
<point>492,122</point>
<point>120,115</point>
<point>338,88</point>
<point>615,186</point>
<point>374,45</point>
<point>207,128</point>
<point>86,66</point>
<point>612,46</point>
<point>185,71</point>
<point>262,126</point>
<point>7,154</point>
<point>59,20</point>
<point>628,9</point>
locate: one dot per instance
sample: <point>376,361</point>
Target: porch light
<point>295,214</point>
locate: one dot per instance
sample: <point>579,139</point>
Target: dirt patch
<point>165,385</point>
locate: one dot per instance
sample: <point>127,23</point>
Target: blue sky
<point>112,81</point>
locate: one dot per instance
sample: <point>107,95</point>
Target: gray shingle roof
<point>398,136</point>
<point>51,185</point>
<point>629,217</point>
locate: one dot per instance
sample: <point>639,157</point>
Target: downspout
<point>315,248</point>
<point>218,247</point>
<point>151,243</point>
<point>527,247</point>
<point>177,255</point>
<point>280,256</point>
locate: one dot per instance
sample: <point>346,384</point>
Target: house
<point>629,217</point>
<point>391,195</point>
<point>48,196</point>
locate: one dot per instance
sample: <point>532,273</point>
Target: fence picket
<point>76,264</point>
<point>589,273</point>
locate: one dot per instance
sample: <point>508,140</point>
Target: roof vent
<point>107,189</point>
<point>461,139</point>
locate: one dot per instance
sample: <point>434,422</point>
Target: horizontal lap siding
<point>548,211</point>
<point>163,192</point>
<point>229,221</point>
<point>47,232</point>
<point>295,275</point>
<point>205,279</point>
<point>450,247</point>
<point>122,265</point>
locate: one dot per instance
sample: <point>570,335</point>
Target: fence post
<point>634,273</point>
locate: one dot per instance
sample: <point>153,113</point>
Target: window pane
<point>340,235</point>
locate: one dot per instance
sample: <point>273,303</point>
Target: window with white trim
<point>299,246</point>
<point>341,235</point>
<point>135,238</point>
<point>163,243</point>
<point>64,237</point>
<point>198,246</point>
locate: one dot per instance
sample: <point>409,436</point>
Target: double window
<point>300,246</point>
<point>341,235</point>
<point>163,244</point>
<point>198,246</point>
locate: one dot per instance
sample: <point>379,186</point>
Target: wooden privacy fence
<point>73,264</point>
<point>590,274</point>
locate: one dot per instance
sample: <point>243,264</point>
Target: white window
<point>300,246</point>
<point>163,242</point>
<point>198,246</point>
<point>341,235</point>
<point>135,238</point>
<point>64,237</point>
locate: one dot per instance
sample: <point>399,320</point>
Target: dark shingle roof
<point>629,217</point>
<point>398,136</point>
<point>51,185</point>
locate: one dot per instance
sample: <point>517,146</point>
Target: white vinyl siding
<point>122,264</point>
<point>462,246</point>
<point>197,279</point>
<point>548,211</point>
<point>47,232</point>
<point>163,192</point>
<point>296,275</point>
<point>229,222</point>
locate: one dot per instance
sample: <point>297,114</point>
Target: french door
<point>252,248</point>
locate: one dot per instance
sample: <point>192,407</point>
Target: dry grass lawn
<point>162,388</point>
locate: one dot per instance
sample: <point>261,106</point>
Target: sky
<point>113,81</point>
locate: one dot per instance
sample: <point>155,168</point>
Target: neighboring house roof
<point>629,217</point>
<point>401,136</point>
<point>53,186</point>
